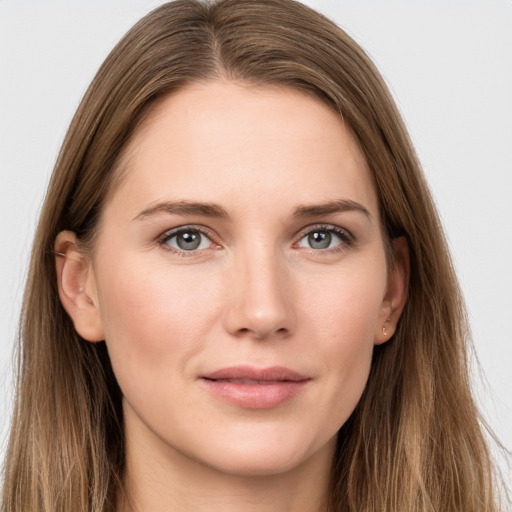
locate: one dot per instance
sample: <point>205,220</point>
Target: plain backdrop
<point>448,64</point>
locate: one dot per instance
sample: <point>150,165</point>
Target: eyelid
<point>347,237</point>
<point>163,238</point>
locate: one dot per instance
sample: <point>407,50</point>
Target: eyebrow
<point>330,207</point>
<point>214,210</point>
<point>184,208</point>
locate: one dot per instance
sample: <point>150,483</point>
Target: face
<point>239,279</point>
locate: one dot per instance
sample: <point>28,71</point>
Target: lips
<point>249,382</point>
<point>255,388</point>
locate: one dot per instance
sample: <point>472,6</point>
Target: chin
<point>260,457</point>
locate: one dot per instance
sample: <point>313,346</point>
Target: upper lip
<point>243,372</point>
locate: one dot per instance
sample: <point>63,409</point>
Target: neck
<point>166,481</point>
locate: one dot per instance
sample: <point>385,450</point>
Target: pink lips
<point>255,388</point>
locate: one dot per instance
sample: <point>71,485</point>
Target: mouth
<point>255,388</point>
<point>247,382</point>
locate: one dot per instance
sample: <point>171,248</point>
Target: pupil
<point>188,240</point>
<point>319,239</point>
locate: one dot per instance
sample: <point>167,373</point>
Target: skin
<point>256,292</point>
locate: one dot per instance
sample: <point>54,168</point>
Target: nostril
<point>261,333</point>
<point>259,312</point>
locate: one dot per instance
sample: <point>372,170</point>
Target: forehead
<point>221,141</point>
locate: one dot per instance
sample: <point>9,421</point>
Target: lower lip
<point>256,396</point>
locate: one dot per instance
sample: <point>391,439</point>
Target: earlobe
<point>77,287</point>
<point>396,293</point>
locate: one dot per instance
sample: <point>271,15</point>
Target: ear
<point>396,293</point>
<point>77,287</point>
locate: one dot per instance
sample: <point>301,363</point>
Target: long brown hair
<point>414,442</point>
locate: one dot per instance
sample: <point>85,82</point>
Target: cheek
<point>349,341</point>
<point>344,316</point>
<point>345,304</point>
<point>154,316</point>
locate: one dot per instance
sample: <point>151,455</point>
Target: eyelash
<point>347,239</point>
<point>168,235</point>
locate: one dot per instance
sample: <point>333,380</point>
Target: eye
<point>186,240</point>
<point>322,238</point>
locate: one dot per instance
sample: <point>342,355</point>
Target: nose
<point>260,297</point>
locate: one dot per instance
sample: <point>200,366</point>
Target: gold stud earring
<point>384,328</point>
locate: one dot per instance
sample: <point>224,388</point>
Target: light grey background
<point>448,63</point>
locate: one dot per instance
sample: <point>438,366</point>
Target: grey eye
<point>188,240</point>
<point>324,238</point>
<point>319,239</point>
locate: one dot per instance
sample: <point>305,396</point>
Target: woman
<point>240,297</point>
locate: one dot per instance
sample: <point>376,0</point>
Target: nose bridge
<point>260,301</point>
